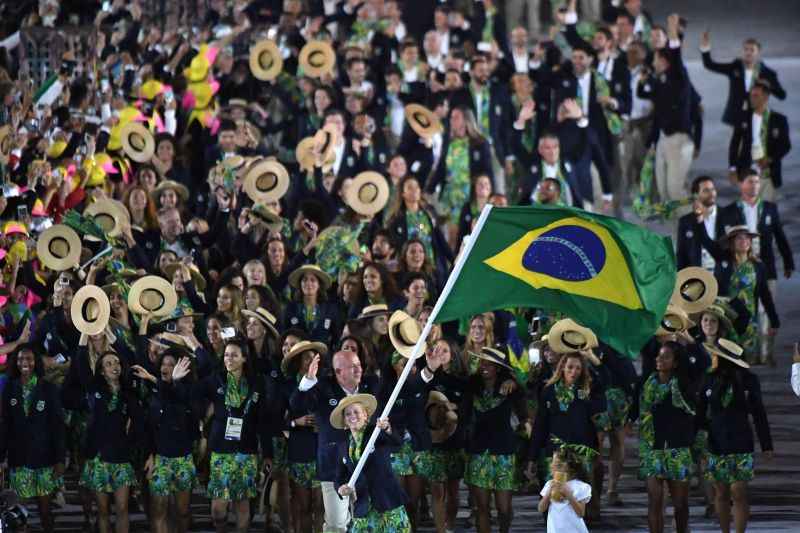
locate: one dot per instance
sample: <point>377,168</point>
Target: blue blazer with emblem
<point>322,399</point>
<point>36,440</point>
<point>324,329</point>
<point>376,487</point>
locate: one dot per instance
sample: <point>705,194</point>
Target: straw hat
<point>137,142</point>
<point>317,58</point>
<point>265,317</point>
<point>493,355</point>
<point>305,155</point>
<point>59,247</point>
<point>324,279</point>
<point>368,193</point>
<point>266,181</point>
<point>181,311</point>
<point>719,311</point>
<point>367,400</point>
<point>422,120</point>
<point>180,189</point>
<point>90,310</point>
<point>566,336</point>
<point>154,295</point>
<point>326,138</point>
<point>727,350</point>
<point>299,348</point>
<point>169,340</point>
<point>269,217</point>
<point>265,60</point>
<point>695,289</point>
<point>436,401</point>
<point>675,320</point>
<point>404,333</point>
<point>194,272</point>
<point>733,231</point>
<point>371,311</point>
<point>109,214</point>
<point>6,144</point>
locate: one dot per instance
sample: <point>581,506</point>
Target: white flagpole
<point>420,345</point>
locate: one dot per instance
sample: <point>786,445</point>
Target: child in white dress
<point>564,497</point>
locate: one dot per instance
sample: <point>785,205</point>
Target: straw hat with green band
<point>368,401</point>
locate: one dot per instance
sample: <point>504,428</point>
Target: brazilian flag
<point>613,277</point>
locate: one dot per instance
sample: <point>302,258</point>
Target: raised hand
<point>313,368</point>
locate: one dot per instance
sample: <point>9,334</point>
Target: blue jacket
<point>376,487</point>
<point>112,435</point>
<point>36,440</point>
<point>172,424</point>
<point>322,399</point>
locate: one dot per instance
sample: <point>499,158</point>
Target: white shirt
<point>339,151</point>
<point>796,378</point>
<point>757,149</point>
<point>640,107</point>
<point>521,62</point>
<point>397,117</point>
<point>561,517</point>
<point>436,62</point>
<point>710,222</point>
<point>751,219</point>
<point>584,83</point>
<point>606,68</point>
<point>748,79</point>
<point>444,42</point>
<point>550,171</point>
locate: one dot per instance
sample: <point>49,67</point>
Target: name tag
<point>233,428</point>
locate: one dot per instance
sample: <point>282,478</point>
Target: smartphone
<point>104,84</point>
<point>308,225</point>
<point>228,333</point>
<point>535,325</point>
<point>60,359</point>
<point>106,6</point>
<point>172,327</point>
<point>22,212</point>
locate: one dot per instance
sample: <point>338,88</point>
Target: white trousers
<point>337,511</point>
<point>673,159</point>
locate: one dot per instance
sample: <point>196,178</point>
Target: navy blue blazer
<point>172,423</point>
<point>38,439</point>
<point>729,429</point>
<point>738,102</point>
<point>326,326</point>
<point>740,151</point>
<point>322,399</point>
<point>689,242</point>
<point>112,436</point>
<point>377,487</point>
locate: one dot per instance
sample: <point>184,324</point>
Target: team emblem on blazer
<point>255,397</point>
<point>382,157</point>
<point>662,78</point>
<point>689,234</point>
<point>13,402</point>
<point>274,373</point>
<point>693,359</point>
<point>415,166</point>
<point>708,393</point>
<point>333,402</point>
<point>350,161</point>
<point>768,220</point>
<point>498,110</point>
<point>40,405</point>
<point>775,133</point>
<point>220,391</point>
<point>97,395</point>
<point>327,323</point>
<point>724,264</point>
<point>477,155</point>
<point>566,83</point>
<point>567,166</point>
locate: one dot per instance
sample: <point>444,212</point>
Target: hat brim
<point>557,342</point>
<point>261,318</point>
<point>63,232</point>
<point>180,189</point>
<point>422,120</point>
<point>256,52</point>
<point>84,295</point>
<point>367,400</point>
<point>695,274</point>
<point>108,208</point>
<point>713,350</point>
<point>491,360</point>
<point>377,203</point>
<point>276,192</point>
<point>154,283</point>
<point>401,345</point>
<point>144,154</point>
<point>323,277</point>
<point>307,59</point>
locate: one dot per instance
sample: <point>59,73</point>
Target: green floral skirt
<point>493,472</point>
<point>447,465</point>
<point>233,476</point>
<point>280,451</point>
<point>172,475</point>
<point>101,476</point>
<point>700,447</point>
<point>394,521</point>
<point>673,463</point>
<point>34,482</point>
<point>730,468</point>
<point>407,462</point>
<point>616,414</point>
<point>304,474</point>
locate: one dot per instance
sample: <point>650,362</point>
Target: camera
<point>13,518</point>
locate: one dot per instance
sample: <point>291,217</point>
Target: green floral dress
<point>233,475</point>
<point>743,287</point>
<point>392,521</point>
<point>486,470</point>
<point>668,463</point>
<point>616,414</point>
<point>33,482</point>
<point>456,189</point>
<point>419,226</point>
<point>102,476</point>
<point>172,475</point>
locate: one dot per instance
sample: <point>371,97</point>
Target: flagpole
<point>420,345</point>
